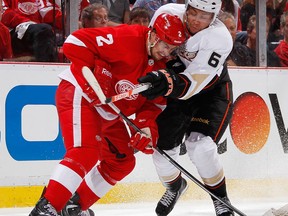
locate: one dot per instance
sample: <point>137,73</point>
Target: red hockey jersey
<point>124,48</point>
<point>38,11</point>
<point>282,52</point>
<point>5,43</point>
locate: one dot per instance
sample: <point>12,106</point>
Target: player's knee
<point>163,166</point>
<point>119,168</point>
<point>127,166</point>
<point>82,159</point>
<point>201,150</point>
<point>203,153</point>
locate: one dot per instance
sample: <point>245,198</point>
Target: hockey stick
<point>130,92</point>
<point>90,78</point>
<point>89,75</point>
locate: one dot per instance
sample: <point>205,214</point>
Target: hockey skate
<point>73,208</point>
<point>221,209</point>
<point>43,208</point>
<point>170,197</point>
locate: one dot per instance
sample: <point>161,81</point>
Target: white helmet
<point>211,6</point>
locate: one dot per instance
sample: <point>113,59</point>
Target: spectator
<point>241,37</point>
<point>119,11</point>
<point>5,39</point>
<point>274,12</point>
<point>153,5</point>
<point>239,55</point>
<point>31,27</point>
<point>272,58</point>
<point>91,16</point>
<point>140,16</point>
<point>240,2</point>
<point>94,15</point>
<point>150,5</point>
<point>282,49</point>
<point>232,6</point>
<point>246,11</point>
<point>228,19</point>
<point>274,31</point>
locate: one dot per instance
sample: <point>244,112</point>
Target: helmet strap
<point>186,26</point>
<point>151,45</point>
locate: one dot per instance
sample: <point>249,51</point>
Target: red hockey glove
<point>165,82</point>
<point>104,77</point>
<point>92,95</point>
<point>142,142</point>
<point>145,142</point>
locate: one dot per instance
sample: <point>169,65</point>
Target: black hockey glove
<point>165,82</point>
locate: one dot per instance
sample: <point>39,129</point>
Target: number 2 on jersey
<point>100,40</point>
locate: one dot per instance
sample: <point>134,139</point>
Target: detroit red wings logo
<point>28,8</point>
<point>124,86</point>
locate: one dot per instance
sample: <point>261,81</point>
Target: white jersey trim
<point>73,40</point>
<point>62,173</point>
<point>97,183</point>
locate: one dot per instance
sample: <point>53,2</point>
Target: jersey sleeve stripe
<point>73,40</point>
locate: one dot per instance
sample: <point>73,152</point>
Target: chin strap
<point>151,45</point>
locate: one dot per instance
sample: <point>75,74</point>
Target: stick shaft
<point>134,91</point>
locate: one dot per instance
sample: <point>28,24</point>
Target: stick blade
<point>91,79</point>
<point>277,212</point>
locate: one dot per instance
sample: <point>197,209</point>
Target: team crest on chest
<point>28,8</point>
<point>187,55</point>
<point>124,86</point>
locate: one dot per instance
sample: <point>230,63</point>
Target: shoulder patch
<point>187,55</point>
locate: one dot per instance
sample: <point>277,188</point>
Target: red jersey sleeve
<point>5,43</point>
<point>50,12</point>
<point>239,24</point>
<point>151,109</point>
<point>282,52</point>
<point>79,55</point>
<point>83,4</point>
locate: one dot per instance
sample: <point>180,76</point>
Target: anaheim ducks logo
<point>124,86</point>
<point>185,54</point>
<point>28,8</point>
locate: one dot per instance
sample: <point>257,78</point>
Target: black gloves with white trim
<point>165,82</point>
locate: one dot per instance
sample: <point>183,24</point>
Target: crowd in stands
<point>5,40</point>
<point>29,29</point>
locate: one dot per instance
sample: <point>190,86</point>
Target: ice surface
<point>257,207</point>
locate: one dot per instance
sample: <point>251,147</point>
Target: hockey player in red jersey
<point>92,132</point>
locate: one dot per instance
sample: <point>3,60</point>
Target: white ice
<point>257,207</point>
